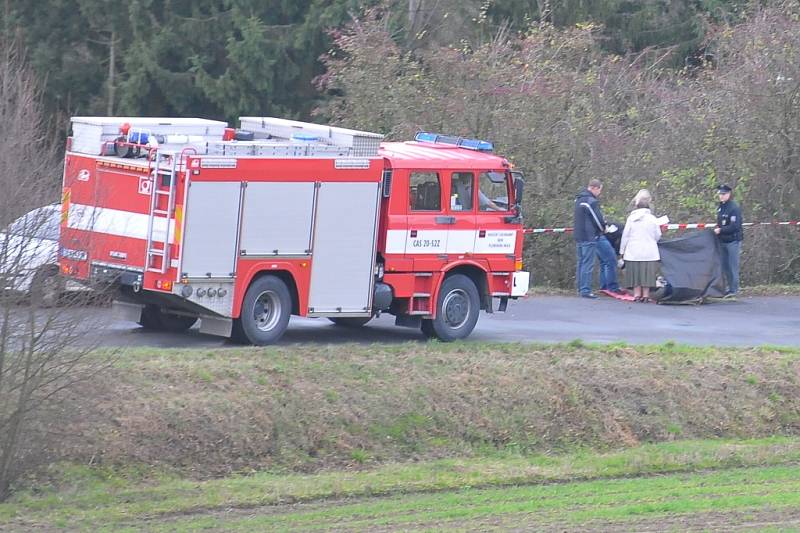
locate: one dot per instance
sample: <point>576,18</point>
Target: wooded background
<point>673,95</point>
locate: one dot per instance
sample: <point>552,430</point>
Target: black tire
<point>265,313</point>
<point>457,309</point>
<point>47,287</point>
<point>427,328</point>
<point>177,323</point>
<point>351,321</point>
<point>149,318</point>
<point>157,320</point>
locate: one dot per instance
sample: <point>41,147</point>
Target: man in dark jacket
<point>729,233</point>
<point>590,242</point>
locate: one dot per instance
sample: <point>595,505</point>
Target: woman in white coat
<point>639,247</point>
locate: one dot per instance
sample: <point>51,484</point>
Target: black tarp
<point>691,266</point>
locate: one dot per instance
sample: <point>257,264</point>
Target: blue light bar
<point>470,144</point>
<point>474,144</point>
<point>425,137</point>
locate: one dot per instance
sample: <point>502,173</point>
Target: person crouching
<point>639,248</point>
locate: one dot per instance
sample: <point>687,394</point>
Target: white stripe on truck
<point>117,222</point>
<point>453,241</point>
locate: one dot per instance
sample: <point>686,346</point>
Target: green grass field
<point>463,436</point>
<point>678,484</point>
<point>770,496</point>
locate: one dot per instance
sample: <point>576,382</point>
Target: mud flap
<point>503,304</point>
<point>219,326</point>
<point>126,311</point>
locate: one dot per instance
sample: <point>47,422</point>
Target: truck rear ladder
<point>157,255</point>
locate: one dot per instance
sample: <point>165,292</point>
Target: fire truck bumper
<point>520,284</point>
<point>102,274</point>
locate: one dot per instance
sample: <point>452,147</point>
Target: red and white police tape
<point>701,225</point>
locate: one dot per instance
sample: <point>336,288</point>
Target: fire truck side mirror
<point>519,186</point>
<point>519,190</point>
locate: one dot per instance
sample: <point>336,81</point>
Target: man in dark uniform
<point>729,233</point>
<point>590,241</point>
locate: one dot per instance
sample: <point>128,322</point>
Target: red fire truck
<point>189,219</point>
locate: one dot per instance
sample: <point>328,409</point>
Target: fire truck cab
<point>188,219</point>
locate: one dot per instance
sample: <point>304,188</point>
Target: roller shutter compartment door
<point>344,248</point>
<point>212,229</point>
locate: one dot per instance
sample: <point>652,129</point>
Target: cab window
<point>425,191</point>
<point>461,186</point>
<point>493,191</point>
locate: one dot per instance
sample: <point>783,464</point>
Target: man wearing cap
<point>729,233</point>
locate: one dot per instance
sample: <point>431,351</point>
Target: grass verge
<point>92,498</point>
<point>167,431</point>
<point>771,290</point>
<point>212,412</point>
<point>732,499</point>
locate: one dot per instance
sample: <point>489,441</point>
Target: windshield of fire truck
<point>493,192</point>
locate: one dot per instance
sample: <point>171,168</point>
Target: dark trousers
<point>585,253</point>
<point>729,255</point>
<point>608,265</point>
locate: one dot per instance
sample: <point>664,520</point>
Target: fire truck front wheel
<point>457,310</point>
<point>265,311</point>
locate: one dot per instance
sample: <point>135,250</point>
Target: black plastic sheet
<point>691,267</point>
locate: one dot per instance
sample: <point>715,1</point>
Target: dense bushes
<point>564,111</point>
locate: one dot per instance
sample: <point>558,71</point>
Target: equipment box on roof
<point>359,143</point>
<point>89,133</point>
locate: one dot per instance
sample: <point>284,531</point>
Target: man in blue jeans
<point>590,242</point>
<point>729,232</point>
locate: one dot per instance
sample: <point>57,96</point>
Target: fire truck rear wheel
<point>351,322</point>
<point>47,287</point>
<point>457,309</point>
<point>155,319</point>
<point>265,310</point>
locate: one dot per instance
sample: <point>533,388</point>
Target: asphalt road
<point>752,321</point>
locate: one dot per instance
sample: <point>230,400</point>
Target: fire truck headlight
<point>212,293</point>
<point>222,292</point>
<point>201,292</point>
<point>186,291</point>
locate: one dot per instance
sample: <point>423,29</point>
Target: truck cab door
<point>428,221</point>
<point>461,207</point>
<point>495,239</point>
